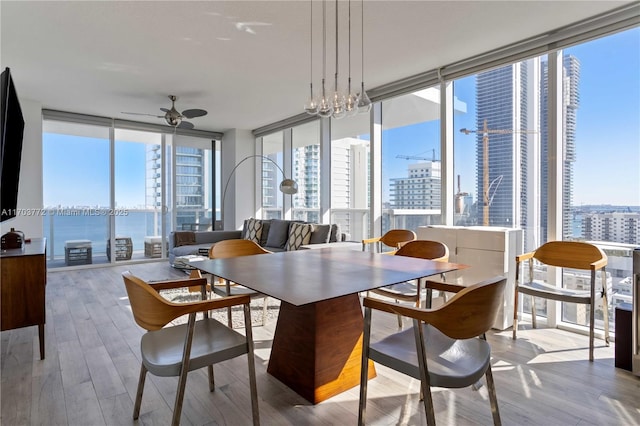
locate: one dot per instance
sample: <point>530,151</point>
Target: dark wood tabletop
<point>309,276</point>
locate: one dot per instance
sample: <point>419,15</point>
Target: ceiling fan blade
<point>186,125</point>
<point>164,110</point>
<point>193,113</point>
<point>141,113</point>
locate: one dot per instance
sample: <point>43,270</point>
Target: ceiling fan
<point>175,118</point>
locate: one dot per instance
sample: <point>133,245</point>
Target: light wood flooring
<point>90,374</point>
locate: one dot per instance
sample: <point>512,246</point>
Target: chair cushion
<point>299,234</point>
<point>548,291</point>
<point>320,234</point>
<point>254,230</point>
<point>278,233</point>
<point>451,363</point>
<point>212,342</point>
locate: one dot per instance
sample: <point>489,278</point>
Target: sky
<point>607,169</point>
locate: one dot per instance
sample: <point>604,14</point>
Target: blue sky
<point>608,140</point>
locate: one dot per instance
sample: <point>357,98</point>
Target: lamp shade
<point>289,186</point>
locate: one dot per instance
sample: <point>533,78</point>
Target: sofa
<point>273,235</point>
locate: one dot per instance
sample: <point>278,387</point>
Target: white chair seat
<point>213,342</point>
<point>452,363</point>
<point>547,291</point>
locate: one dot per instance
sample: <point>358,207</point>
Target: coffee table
<point>317,343</point>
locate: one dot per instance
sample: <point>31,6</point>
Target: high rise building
<point>420,190</point>
<point>616,227</point>
<point>192,184</point>
<point>503,100</point>
<point>570,104</point>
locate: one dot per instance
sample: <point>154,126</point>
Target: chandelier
<point>336,104</point>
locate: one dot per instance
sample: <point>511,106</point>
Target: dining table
<point>317,343</point>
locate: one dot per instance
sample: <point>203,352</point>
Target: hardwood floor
<point>92,363</point>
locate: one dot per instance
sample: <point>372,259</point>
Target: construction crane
<point>485,131</point>
<point>417,157</point>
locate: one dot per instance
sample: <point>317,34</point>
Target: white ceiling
<point>246,62</point>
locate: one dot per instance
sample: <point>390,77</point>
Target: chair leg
<point>212,384</point>
<point>141,380</point>
<point>425,383</point>
<point>515,314</point>
<point>493,397</point>
<point>533,312</point>
<point>229,319</point>
<point>264,311</point>
<point>364,366</point>
<point>184,371</point>
<point>605,308</point>
<point>399,318</point>
<point>255,412</point>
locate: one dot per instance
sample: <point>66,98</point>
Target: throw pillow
<point>336,235</point>
<point>266,224</point>
<point>299,234</point>
<point>320,234</point>
<point>254,230</point>
<point>278,233</point>
<point>184,238</point>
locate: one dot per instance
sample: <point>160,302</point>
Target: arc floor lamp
<point>287,186</point>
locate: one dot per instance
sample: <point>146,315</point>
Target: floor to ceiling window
<point>191,162</point>
<point>306,171</point>
<point>138,190</point>
<point>76,172</point>
<point>601,152</point>
<point>94,216</point>
<point>411,168</point>
<point>272,200</point>
<point>351,175</point>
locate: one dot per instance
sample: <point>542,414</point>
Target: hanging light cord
<point>311,45</point>
<point>362,39</point>
<point>336,45</point>
<point>349,46</point>
<point>324,44</point>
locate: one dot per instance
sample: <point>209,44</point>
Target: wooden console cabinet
<point>23,279</point>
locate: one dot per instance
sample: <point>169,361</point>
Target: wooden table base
<point>317,348</point>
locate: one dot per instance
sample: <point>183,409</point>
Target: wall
<point>30,196</point>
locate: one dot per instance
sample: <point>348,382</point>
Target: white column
<point>239,203</point>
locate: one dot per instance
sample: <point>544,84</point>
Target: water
<point>93,226</point>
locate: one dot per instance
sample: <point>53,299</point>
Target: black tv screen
<point>12,127</point>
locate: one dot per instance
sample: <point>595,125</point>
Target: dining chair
<point>176,350</point>
<point>410,291</point>
<point>392,239</point>
<point>573,255</point>
<point>235,248</point>
<point>446,346</point>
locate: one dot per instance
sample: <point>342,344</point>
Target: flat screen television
<point>12,128</point>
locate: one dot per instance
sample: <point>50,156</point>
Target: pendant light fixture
<point>337,104</point>
<point>364,103</point>
<point>311,106</point>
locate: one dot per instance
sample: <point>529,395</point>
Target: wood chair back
<point>235,248</point>
<point>571,254</point>
<point>425,249</point>
<point>395,237</point>
<point>150,310</point>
